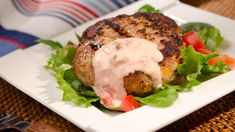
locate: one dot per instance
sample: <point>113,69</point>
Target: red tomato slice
<point>191,38</point>
<point>229,61</point>
<point>215,60</point>
<point>129,103</point>
<point>204,51</point>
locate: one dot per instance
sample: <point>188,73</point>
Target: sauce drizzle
<point>117,59</point>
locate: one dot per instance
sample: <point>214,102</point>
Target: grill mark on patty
<point>170,49</point>
<point>159,22</point>
<point>113,25</point>
<point>176,38</point>
<point>155,23</point>
<point>120,30</point>
<point>99,31</point>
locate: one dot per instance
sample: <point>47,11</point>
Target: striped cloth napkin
<point>24,21</point>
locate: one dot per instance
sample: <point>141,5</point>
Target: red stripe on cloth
<point>35,6</point>
<point>51,8</point>
<point>12,41</point>
<point>69,1</point>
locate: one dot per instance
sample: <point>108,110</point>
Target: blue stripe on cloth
<point>60,15</point>
<point>107,5</point>
<point>128,1</point>
<point>6,47</point>
<point>117,3</point>
<point>27,39</point>
<point>95,6</point>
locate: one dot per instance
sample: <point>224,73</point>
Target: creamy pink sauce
<point>117,59</point>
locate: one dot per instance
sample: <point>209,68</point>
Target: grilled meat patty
<point>150,26</point>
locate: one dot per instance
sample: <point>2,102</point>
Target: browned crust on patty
<point>150,26</point>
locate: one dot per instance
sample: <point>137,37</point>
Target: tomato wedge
<point>229,61</point>
<point>129,103</point>
<point>204,51</point>
<point>191,38</point>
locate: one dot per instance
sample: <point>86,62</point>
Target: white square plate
<point>24,69</point>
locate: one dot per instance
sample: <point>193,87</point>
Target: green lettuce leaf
<point>161,97</point>
<point>79,38</point>
<point>193,26</point>
<point>73,90</point>
<point>194,65</point>
<point>191,65</point>
<point>218,68</point>
<point>70,77</point>
<point>51,43</point>
<point>62,56</point>
<point>148,9</point>
<point>190,68</point>
<point>211,37</point>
